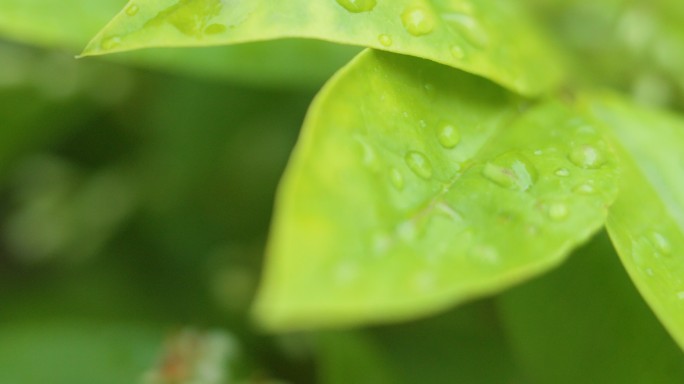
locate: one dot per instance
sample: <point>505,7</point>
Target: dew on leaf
<point>585,189</point>
<point>381,243</point>
<point>511,170</point>
<point>215,29</point>
<point>357,6</point>
<point>397,179</point>
<point>487,254</point>
<point>660,242</point>
<point>419,164</point>
<point>418,20</point>
<point>449,136</point>
<point>558,211</point>
<point>132,10</point>
<point>424,281</point>
<point>346,272</point>
<point>457,52</point>
<point>562,172</point>
<point>587,157</point>
<point>111,42</point>
<point>407,230</point>
<point>680,295</point>
<point>385,40</point>
<point>449,212</point>
<point>469,28</point>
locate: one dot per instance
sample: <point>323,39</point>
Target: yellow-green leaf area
<point>646,223</point>
<point>490,38</point>
<point>377,219</point>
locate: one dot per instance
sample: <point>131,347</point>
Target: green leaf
<point>481,37</point>
<point>68,24</point>
<point>408,202</point>
<point>647,221</point>
<point>585,323</point>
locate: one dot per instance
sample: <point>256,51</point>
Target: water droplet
<point>110,42</point>
<point>419,164</point>
<point>357,6</point>
<point>660,243</point>
<point>215,29</point>
<point>407,230</point>
<point>558,211</point>
<point>369,157</point>
<point>585,189</point>
<point>487,253</point>
<point>430,90</point>
<point>680,295</point>
<point>562,172</point>
<point>397,179</point>
<point>649,272</point>
<point>457,52</point>
<point>424,281</point>
<point>381,244</point>
<point>587,156</point>
<point>346,272</point>
<point>132,10</point>
<point>385,40</point>
<point>448,211</point>
<point>468,27</point>
<point>422,123</point>
<point>449,136</point>
<point>511,170</point>
<point>418,20</point>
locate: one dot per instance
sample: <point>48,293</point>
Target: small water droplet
<point>487,253</point>
<point>562,172</point>
<point>346,272</point>
<point>418,20</point>
<point>457,51</point>
<point>424,281</point>
<point>407,230</point>
<point>558,211</point>
<point>680,295</point>
<point>132,10</point>
<point>660,243</point>
<point>385,40</point>
<point>511,170</point>
<point>357,6</point>
<point>587,157</point>
<point>585,189</point>
<point>448,211</point>
<point>397,179</point>
<point>649,272</point>
<point>110,42</point>
<point>215,29</point>
<point>422,123</point>
<point>430,90</point>
<point>538,152</point>
<point>369,157</point>
<point>468,27</point>
<point>419,164</point>
<point>381,244</point>
<point>449,136</point>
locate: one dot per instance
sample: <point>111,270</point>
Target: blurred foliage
<point>134,206</point>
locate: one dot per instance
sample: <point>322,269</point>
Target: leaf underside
<point>480,37</point>
<point>434,190</point>
<point>646,223</point>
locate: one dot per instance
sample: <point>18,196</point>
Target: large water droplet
<point>468,27</point>
<point>110,42</point>
<point>587,156</point>
<point>558,211</point>
<point>385,40</point>
<point>511,170</point>
<point>449,136</point>
<point>397,179</point>
<point>357,6</point>
<point>418,20</point>
<point>419,164</point>
<point>660,242</point>
<point>132,10</point>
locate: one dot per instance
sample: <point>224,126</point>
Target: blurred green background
<point>135,198</point>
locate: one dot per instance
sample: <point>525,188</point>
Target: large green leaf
<point>489,38</point>
<point>68,24</point>
<point>647,221</point>
<point>410,201</point>
<point>585,323</point>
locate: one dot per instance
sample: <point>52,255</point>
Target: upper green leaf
<point>647,221</point>
<point>490,38</point>
<point>415,186</point>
